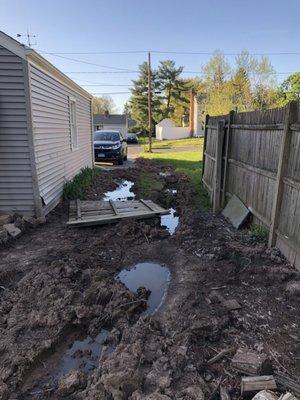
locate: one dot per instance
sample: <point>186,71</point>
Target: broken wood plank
<point>78,209</point>
<point>220,355</point>
<point>224,394</point>
<point>251,363</point>
<point>104,212</point>
<point>252,384</point>
<point>288,383</point>
<point>111,202</point>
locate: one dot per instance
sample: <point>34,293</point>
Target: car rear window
<point>111,136</point>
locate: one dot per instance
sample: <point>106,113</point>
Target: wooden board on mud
<point>88,213</point>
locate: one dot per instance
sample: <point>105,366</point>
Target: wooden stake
<point>290,117</point>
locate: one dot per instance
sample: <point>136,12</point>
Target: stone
<point>3,235</point>
<point>265,395</point>
<point>193,392</point>
<point>70,382</point>
<point>12,230</point>
<point>293,289</point>
<point>236,212</point>
<point>41,220</point>
<point>5,219</point>
<point>31,221</point>
<point>4,391</point>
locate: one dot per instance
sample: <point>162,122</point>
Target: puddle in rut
<point>83,355</point>
<point>122,192</point>
<point>170,221</point>
<point>154,277</point>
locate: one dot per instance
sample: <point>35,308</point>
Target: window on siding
<point>73,125</point>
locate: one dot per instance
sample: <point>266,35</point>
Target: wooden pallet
<point>88,213</point>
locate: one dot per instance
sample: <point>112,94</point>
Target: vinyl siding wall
<point>16,189</point>
<point>56,162</point>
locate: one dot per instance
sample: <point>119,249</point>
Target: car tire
<point>120,161</point>
<point>125,157</point>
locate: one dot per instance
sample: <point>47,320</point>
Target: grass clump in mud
<point>259,233</point>
<point>147,183</point>
<point>190,163</point>
<point>75,188</point>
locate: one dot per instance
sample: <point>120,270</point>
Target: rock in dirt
<point>265,395</point>
<point>12,230</point>
<point>74,380</point>
<point>288,396</point>
<point>137,395</point>
<point>3,235</point>
<point>192,393</point>
<point>4,392</point>
<point>293,289</point>
<point>5,219</point>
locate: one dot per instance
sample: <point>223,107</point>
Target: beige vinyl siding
<point>16,188</point>
<point>56,161</point>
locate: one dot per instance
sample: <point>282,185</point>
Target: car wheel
<point>125,157</point>
<point>120,161</point>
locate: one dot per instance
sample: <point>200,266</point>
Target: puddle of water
<point>122,192</point>
<point>170,221</point>
<point>83,355</point>
<point>154,277</point>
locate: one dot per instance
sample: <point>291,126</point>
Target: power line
<point>106,84</point>
<point>89,63</point>
<point>183,72</point>
<point>209,53</point>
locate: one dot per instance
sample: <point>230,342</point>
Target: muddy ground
<point>57,285</point>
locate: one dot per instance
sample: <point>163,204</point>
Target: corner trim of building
<point>35,185</point>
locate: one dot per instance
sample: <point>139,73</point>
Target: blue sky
<point>261,26</point>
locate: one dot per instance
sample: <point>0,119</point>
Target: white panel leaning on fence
<point>256,156</point>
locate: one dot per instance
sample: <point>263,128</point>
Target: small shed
<point>166,129</point>
<point>45,130</point>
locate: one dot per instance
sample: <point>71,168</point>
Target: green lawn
<point>158,144</point>
<point>189,162</point>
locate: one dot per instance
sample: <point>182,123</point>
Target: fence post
<point>290,117</point>
<point>204,144</point>
<point>227,151</point>
<point>218,167</point>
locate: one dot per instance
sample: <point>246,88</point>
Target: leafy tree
<point>102,104</point>
<point>139,98</point>
<point>172,87</point>
<point>216,71</point>
<point>264,85</point>
<point>289,89</point>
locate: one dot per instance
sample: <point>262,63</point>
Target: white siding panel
<point>56,162</point>
<point>16,190</point>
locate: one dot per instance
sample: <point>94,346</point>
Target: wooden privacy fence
<point>256,156</point>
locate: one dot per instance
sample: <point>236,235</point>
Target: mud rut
<point>58,288</point>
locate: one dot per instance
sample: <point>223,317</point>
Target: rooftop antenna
<point>28,36</point>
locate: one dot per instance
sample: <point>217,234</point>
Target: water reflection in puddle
<point>170,221</point>
<point>154,277</point>
<point>122,192</point>
<point>83,355</point>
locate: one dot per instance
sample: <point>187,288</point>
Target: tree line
<point>248,85</point>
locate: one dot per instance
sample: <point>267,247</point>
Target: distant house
<point>113,122</point>
<point>45,130</point>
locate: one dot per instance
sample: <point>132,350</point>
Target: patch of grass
<point>259,233</point>
<point>75,188</point>
<point>146,183</point>
<point>160,144</point>
<point>190,163</point>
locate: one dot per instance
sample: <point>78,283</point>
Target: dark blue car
<point>110,146</point>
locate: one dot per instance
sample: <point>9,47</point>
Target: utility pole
<point>149,103</point>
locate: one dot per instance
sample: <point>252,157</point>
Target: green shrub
<point>259,233</point>
<point>75,188</point>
